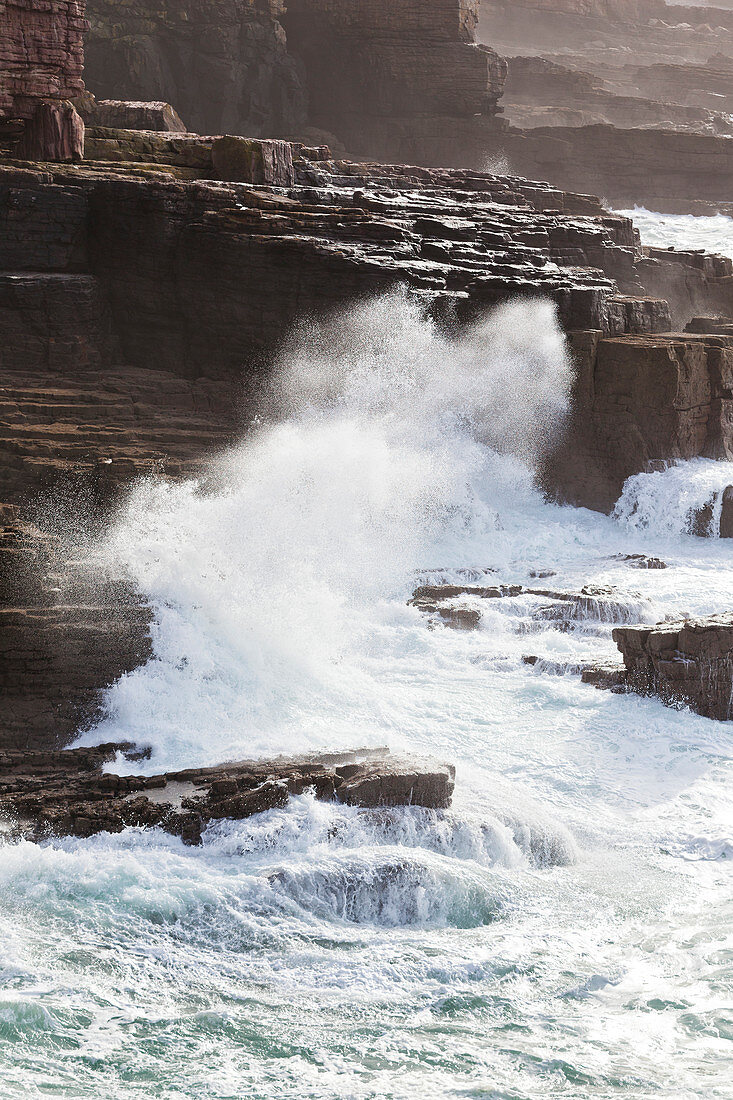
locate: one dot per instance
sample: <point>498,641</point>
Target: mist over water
<point>562,931</point>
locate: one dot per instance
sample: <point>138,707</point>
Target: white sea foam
<point>563,930</point>
<point>393,446</point>
<point>712,233</point>
<point>669,502</point>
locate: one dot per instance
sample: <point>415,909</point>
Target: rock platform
<point>74,792</point>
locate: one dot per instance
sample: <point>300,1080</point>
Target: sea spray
<point>563,930</point>
<point>675,501</point>
<point>713,233</point>
<point>384,444</point>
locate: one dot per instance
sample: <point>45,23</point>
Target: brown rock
<point>41,53</point>
<point>726,514</point>
<point>131,115</point>
<point>67,793</point>
<point>396,783</point>
<point>225,64</point>
<point>246,160</point>
<point>689,662</point>
<point>54,132</point>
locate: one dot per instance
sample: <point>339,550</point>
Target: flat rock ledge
<point>68,793</point>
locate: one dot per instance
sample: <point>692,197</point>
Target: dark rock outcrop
<point>639,400</point>
<point>54,131</point>
<point>668,170</point>
<point>223,63</point>
<point>689,662</point>
<point>68,794</point>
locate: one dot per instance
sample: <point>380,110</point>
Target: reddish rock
<point>41,53</point>
<point>54,132</point>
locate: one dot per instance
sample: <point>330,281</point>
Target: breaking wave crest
<point>685,498</point>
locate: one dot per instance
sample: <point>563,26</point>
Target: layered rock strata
<point>41,65</point>
<point>68,793</point>
<point>41,53</point>
<point>667,170</point>
<point>689,662</point>
<point>629,101</point>
<point>540,92</point>
<point>223,63</point>
<point>375,63</point>
<point>640,401</point>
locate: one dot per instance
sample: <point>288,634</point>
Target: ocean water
<point>565,930</point>
<point>713,233</point>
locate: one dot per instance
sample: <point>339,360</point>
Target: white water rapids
<point>564,930</point>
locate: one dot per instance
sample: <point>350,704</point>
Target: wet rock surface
<point>73,792</point>
<point>689,662</point>
<point>564,610</point>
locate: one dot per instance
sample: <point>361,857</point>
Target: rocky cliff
<point>223,63</point>
<point>626,99</point>
<point>41,53</point>
<point>144,292</point>
<point>368,72</point>
<point>387,62</point>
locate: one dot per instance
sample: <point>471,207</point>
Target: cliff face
<point>623,98</point>
<point>263,68</point>
<point>223,63</point>
<point>389,60</point>
<point>41,53</point>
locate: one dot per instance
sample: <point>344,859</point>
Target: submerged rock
<point>641,561</point>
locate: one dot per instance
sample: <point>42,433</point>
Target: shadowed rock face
<point>379,75</point>
<point>41,53</point>
<point>224,64</point>
<point>67,793</point>
<point>638,400</point>
<point>390,60</point>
